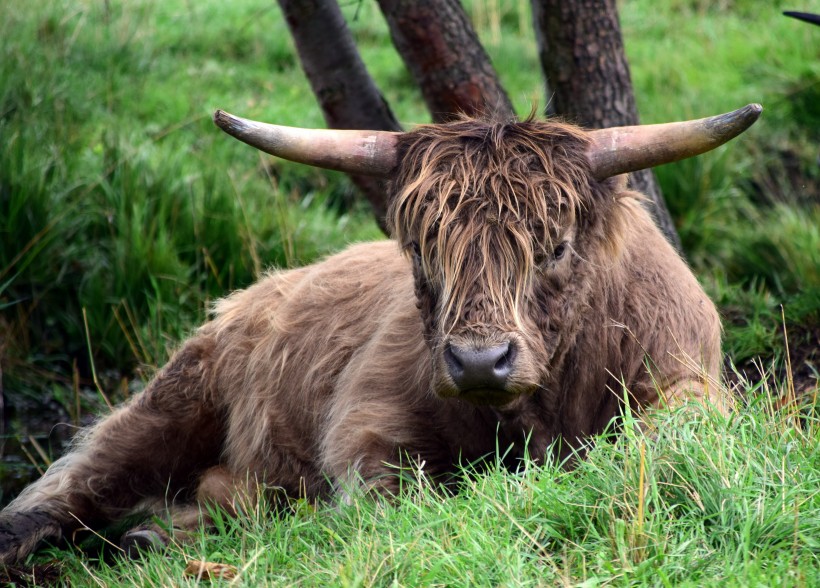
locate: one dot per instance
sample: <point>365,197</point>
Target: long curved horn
<point>619,150</point>
<point>371,153</point>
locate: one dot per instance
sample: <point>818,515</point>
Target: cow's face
<point>496,220</point>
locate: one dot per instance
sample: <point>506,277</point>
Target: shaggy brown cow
<point>527,297</point>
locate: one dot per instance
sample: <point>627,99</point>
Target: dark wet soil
<point>804,358</point>
<point>33,434</point>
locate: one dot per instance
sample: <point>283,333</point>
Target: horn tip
<point>729,125</point>
<point>219,117</point>
<point>753,112</point>
<point>750,113</point>
<point>229,123</point>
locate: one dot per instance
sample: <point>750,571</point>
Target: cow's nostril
<point>454,365</point>
<point>483,367</point>
<point>504,365</point>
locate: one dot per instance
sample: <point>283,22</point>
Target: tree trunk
<point>587,78</point>
<point>347,94</point>
<point>441,49</point>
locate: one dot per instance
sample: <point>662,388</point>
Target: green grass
<point>709,501</point>
<point>118,192</point>
<point>124,213</point>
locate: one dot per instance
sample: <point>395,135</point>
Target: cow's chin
<point>496,397</point>
<point>488,396</point>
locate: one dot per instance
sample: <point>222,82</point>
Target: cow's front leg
<point>369,464</point>
<point>703,390</point>
<point>378,448</point>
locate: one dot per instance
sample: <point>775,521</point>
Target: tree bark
<point>346,93</point>
<point>587,78</point>
<point>437,42</point>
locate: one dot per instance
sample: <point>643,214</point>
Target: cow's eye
<point>559,251</point>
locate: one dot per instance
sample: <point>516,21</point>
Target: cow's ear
<point>400,176</point>
<point>604,193</point>
<point>617,183</point>
<point>599,215</point>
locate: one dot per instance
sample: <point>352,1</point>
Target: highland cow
<point>525,301</point>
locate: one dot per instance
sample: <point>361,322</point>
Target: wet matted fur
<point>324,378</point>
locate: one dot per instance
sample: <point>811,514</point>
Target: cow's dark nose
<point>483,367</point>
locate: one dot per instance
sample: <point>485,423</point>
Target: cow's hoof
<point>139,541</point>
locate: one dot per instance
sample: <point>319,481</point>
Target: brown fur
<point>318,380</point>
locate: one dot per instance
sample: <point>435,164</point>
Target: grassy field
<point>711,501</point>
<point>124,213</point>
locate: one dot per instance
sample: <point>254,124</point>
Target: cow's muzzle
<point>481,374</point>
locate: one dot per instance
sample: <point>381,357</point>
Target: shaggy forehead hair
<point>485,202</point>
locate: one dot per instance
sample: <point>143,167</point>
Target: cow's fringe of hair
<point>498,189</point>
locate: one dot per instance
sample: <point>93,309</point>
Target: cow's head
<point>504,224</point>
<point>495,219</point>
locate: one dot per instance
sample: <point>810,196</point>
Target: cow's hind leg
<point>218,489</point>
<point>155,446</point>
<point>176,524</point>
